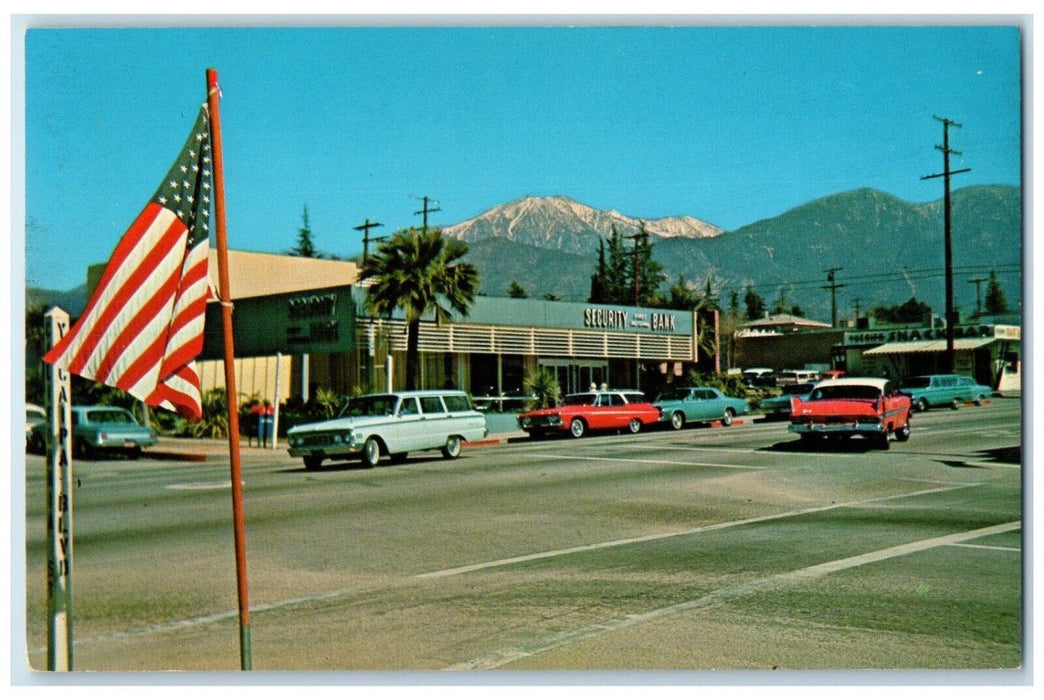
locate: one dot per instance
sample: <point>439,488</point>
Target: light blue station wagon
<point>699,405</point>
<point>944,390</point>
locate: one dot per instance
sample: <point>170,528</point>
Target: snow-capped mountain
<point>567,225</point>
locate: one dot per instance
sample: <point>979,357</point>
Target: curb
<point>176,456</point>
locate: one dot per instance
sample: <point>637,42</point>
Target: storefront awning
<point>928,346</point>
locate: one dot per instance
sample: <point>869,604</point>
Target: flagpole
<point>230,371</point>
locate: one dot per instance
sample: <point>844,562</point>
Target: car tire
<point>902,433</point>
<point>726,420</point>
<point>37,444</point>
<point>371,452</point>
<point>677,420</point>
<point>451,450</point>
<point>635,426</point>
<point>980,399</point>
<point>81,448</point>
<point>955,404</point>
<point>882,441</point>
<point>312,463</point>
<point>577,427</point>
<point>922,404</point>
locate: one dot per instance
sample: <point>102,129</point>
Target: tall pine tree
<point>304,247</point>
<point>996,303</point>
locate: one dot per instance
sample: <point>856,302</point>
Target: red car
<point>593,410</point>
<point>863,406</point>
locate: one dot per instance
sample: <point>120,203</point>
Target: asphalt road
<point>691,551</point>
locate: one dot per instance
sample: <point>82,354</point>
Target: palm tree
<point>419,272</point>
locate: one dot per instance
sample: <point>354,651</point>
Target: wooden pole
<point>224,294</point>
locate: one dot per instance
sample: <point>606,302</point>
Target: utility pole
<point>978,294</point>
<point>857,310</point>
<point>425,211</point>
<point>634,259</point>
<point>833,287</point>
<point>948,230</point>
<point>365,228</point>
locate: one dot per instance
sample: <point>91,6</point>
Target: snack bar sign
<point>316,321</point>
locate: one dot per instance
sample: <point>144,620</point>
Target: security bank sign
<point>608,318</point>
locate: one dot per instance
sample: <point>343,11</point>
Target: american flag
<point>143,327</point>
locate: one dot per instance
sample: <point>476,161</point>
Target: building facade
<point>301,325</point>
<point>991,353</point>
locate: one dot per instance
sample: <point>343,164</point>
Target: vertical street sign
<point>59,503</point>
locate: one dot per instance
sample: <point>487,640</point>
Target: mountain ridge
<point>885,250</point>
<point>563,223</point>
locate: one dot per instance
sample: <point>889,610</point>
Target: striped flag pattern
<point>143,326</point>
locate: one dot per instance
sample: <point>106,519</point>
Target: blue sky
<point>726,124</point>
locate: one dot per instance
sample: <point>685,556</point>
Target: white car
<point>391,424</point>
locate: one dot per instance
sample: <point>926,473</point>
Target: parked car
<point>944,390</point>
<point>34,415</point>
<point>700,404</point>
<point>796,376</point>
<point>779,406</point>
<point>391,424</point>
<point>592,410</point>
<point>100,429</point>
<point>753,376</point>
<point>858,406</point>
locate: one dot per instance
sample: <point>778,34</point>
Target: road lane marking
<point>666,462</point>
<point>987,546</point>
<point>505,656</point>
<point>456,571</point>
<point>176,625</point>
<point>200,486</point>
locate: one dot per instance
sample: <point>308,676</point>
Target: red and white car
<point>593,410</point>
<point>865,406</point>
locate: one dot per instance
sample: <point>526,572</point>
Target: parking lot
<point>700,550</point>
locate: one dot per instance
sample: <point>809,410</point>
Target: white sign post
<point>59,503</point>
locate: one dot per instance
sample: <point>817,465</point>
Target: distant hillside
<point>887,250</point>
<point>73,300</point>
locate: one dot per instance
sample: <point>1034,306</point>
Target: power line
<point>894,276</point>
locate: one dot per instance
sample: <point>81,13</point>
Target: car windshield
<point>673,395</point>
<point>798,388</point>
<point>917,383</point>
<point>376,405</point>
<point>581,399</point>
<point>846,391</point>
<point>109,415</point>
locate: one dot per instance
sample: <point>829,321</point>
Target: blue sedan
<point>699,405</point>
<point>779,406</point>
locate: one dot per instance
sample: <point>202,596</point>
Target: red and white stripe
<point>144,324</point>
